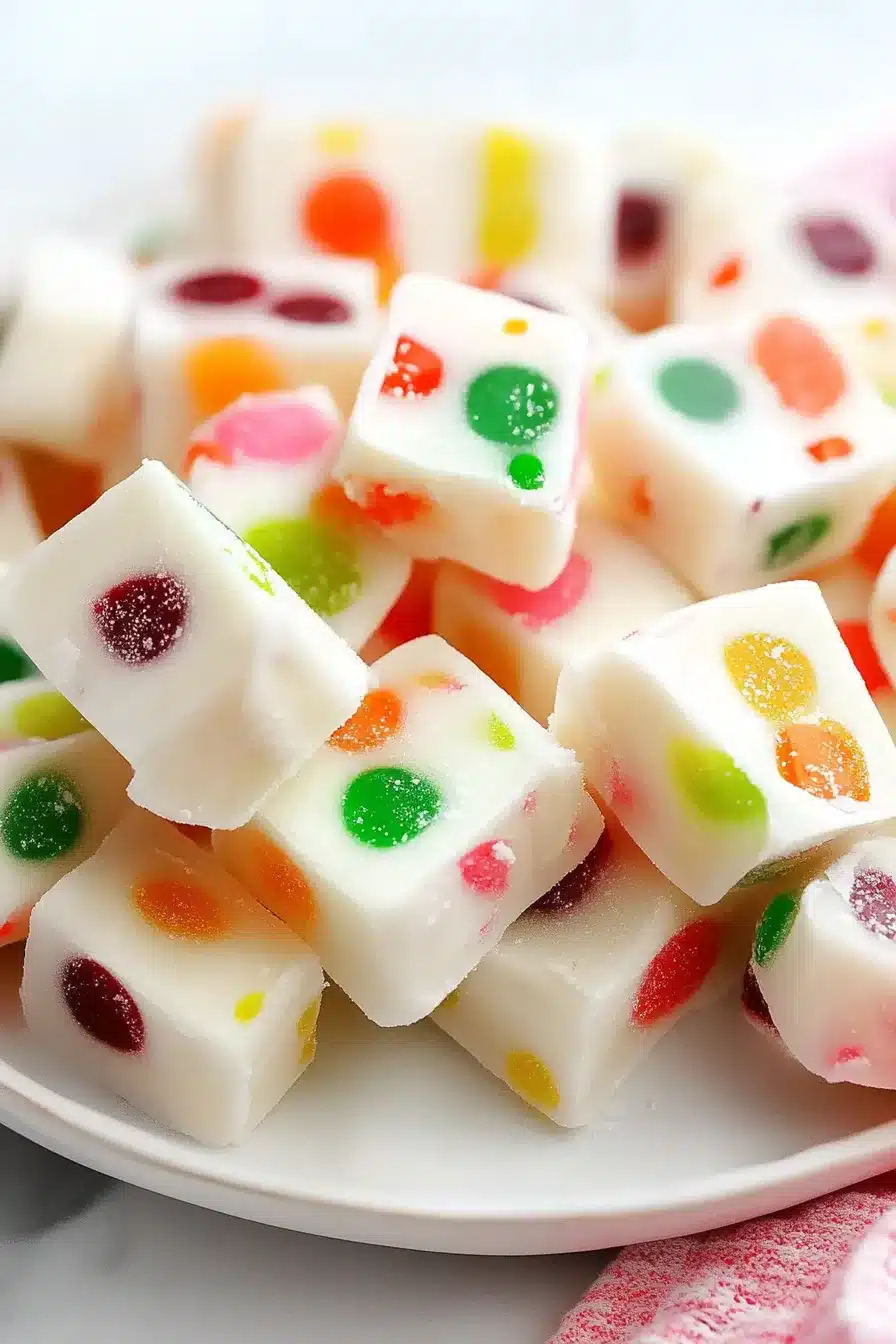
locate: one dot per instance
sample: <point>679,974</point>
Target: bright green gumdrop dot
<point>48,715</point>
<point>15,664</point>
<point>499,735</point>
<point>713,785</point>
<point>389,806</point>
<point>796,540</point>
<point>526,471</point>
<point>512,405</point>
<point>317,560</point>
<point>698,389</point>
<point>42,818</point>
<point>774,927</point>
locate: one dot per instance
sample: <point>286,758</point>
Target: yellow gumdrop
<point>308,1021</point>
<point>775,678</point>
<point>532,1079</point>
<point>509,219</point>
<point>48,715</point>
<point>249,1006</point>
<point>339,138</point>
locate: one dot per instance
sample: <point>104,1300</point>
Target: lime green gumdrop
<point>389,806</point>
<point>316,559</point>
<point>714,786</point>
<point>48,715</point>
<point>774,927</point>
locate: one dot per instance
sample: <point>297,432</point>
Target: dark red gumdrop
<point>754,1004</point>
<point>873,901</point>
<point>314,307</point>
<point>572,889</point>
<point>218,287</point>
<point>140,619</point>
<point>838,244</point>
<point>101,1006</point>
<point>640,226</point>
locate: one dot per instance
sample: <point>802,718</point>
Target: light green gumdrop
<point>714,786</point>
<point>48,715</point>
<point>317,560</point>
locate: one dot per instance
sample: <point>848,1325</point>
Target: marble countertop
<point>84,1260</point>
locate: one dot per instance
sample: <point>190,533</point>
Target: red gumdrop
<point>101,1006</point>
<point>141,619</point>
<point>411,615</point>
<point>545,605</point>
<point>873,901</point>
<point>754,1004</point>
<point>221,288</point>
<point>640,227</point>
<point>416,371</point>
<point>576,886</point>
<point>314,307</point>
<point>857,638</point>
<point>485,870</point>
<point>677,972</point>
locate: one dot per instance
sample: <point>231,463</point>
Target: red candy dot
<point>218,287</point>
<point>857,638</point>
<point>576,886</point>
<point>486,869</point>
<point>141,619</point>
<point>754,1004</point>
<point>391,508</point>
<point>314,307</point>
<point>416,371</point>
<point>411,616</point>
<point>549,604</point>
<point>102,1006</point>
<point>677,972</point>
<point>847,1054</point>
<point>640,227</point>
<point>873,901</point>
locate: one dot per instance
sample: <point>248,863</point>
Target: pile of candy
<point>410,621</point>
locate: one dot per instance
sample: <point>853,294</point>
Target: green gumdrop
<point>389,806</point>
<point>512,405</point>
<point>15,664</point>
<point>714,786</point>
<point>318,561</point>
<point>48,715</point>
<point>796,540</point>
<point>698,389</point>
<point>774,927</point>
<point>42,818</point>
<point>526,471</point>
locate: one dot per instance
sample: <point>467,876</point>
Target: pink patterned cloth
<point>822,1273</point>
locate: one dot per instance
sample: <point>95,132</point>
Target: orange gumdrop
<point>59,488</point>
<point>803,369</point>
<point>642,504</point>
<point>347,214</point>
<point>826,450</point>
<point>226,367</point>
<point>181,909</point>
<point>333,505</point>
<point>390,507</point>
<point>824,759</point>
<point>205,448</point>
<point>377,719</point>
<point>727,273</point>
<point>880,535</point>
<point>274,879</point>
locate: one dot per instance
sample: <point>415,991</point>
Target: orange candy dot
<point>827,450</point>
<point>880,535</point>
<point>642,504</point>
<point>728,273</point>
<point>204,448</point>
<point>347,214</point>
<point>376,720</point>
<point>226,367</point>
<point>824,759</point>
<point>333,505</point>
<point>390,507</point>
<point>439,681</point>
<point>181,909</point>
<point>273,878</point>
<point>803,369</point>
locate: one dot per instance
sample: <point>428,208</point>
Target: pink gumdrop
<point>270,428</point>
<point>547,605</point>
<point>486,869</point>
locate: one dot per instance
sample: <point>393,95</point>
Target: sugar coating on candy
<point>261,430</point>
<point>47,715</point>
<point>824,759</point>
<point>698,389</point>
<point>378,718</point>
<point>640,227</point>
<point>872,897</point>
<point>543,606</point>
<point>857,637</point>
<point>499,734</point>
<point>754,1004</point>
<point>219,288</point>
<point>714,785</point>
<point>318,561</point>
<point>142,618</point>
<point>575,887</point>
<point>806,373</point>
<point>830,449</point>
<point>415,371</point>
<point>313,306</point>
<point>15,664</point>
<point>775,678</point>
<point>486,869</point>
<point>43,817</point>
<point>249,1006</point>
<point>837,244</point>
<point>180,909</point>
<point>796,540</point>
<point>677,971</point>
<point>390,806</point>
<point>774,927</point>
<point>221,369</point>
<point>531,1079</point>
<point>102,1006</point>
<point>512,405</point>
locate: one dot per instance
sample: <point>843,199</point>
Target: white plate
<point>399,1138</point>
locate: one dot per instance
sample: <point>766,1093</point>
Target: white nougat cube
<point>590,978</point>
<point>744,454</point>
<point>464,439</point>
<point>58,800</point>
<point>406,847</point>
<point>263,466</point>
<point>824,960</point>
<point>204,337</point>
<point>19,526</point>
<point>64,365</point>
<point>183,647</point>
<point>155,974</point>
<point>522,639</point>
<point>730,736</point>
